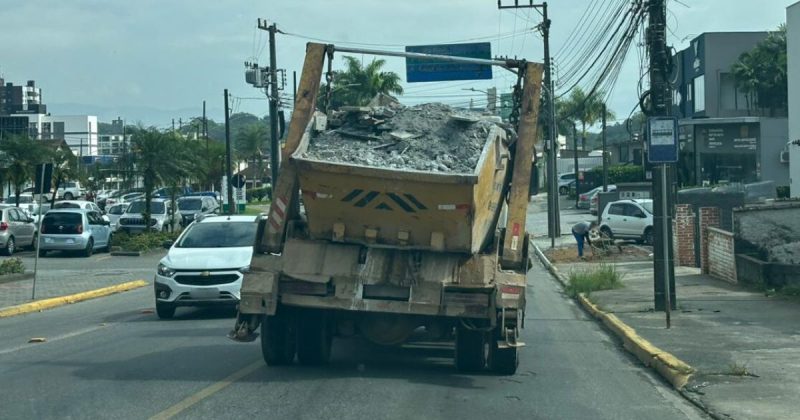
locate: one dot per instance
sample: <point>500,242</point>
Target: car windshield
<point>156,207</point>
<point>648,205</point>
<point>191,204</point>
<point>219,235</point>
<point>116,210</point>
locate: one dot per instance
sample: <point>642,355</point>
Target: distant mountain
<point>133,114</point>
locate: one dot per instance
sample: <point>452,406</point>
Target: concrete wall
<point>793,51</point>
<point>721,255</point>
<point>722,50</point>
<point>773,138</point>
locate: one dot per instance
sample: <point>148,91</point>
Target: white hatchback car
<point>205,264</point>
<point>628,219</point>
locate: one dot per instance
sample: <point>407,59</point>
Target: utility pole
<point>173,124</point>
<point>575,157</point>
<point>553,212</point>
<point>294,89</point>
<point>228,168</point>
<point>275,153</point>
<point>605,153</point>
<point>660,100</point>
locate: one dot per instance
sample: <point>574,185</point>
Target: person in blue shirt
<point>581,232</point>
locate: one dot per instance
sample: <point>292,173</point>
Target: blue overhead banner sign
<point>432,70</point>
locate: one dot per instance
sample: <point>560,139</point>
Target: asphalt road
<point>111,358</point>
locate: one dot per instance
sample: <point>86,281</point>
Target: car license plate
<point>205,293</point>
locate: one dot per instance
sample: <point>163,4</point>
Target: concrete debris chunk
<point>422,137</point>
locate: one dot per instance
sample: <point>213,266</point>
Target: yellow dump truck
<point>393,254</point>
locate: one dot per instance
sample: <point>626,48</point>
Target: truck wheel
<point>503,361</point>
<point>278,340</point>
<point>313,338</point>
<point>165,310</point>
<point>470,350</point>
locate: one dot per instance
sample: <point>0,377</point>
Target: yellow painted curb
<point>668,366</point>
<point>40,305</point>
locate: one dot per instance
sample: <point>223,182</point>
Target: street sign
<point>433,70</point>
<point>662,140</point>
<point>238,181</point>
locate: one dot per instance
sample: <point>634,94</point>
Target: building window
<point>699,86</point>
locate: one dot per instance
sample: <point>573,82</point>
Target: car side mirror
<point>167,244</point>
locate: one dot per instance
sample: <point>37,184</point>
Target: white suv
<point>70,190</point>
<point>205,264</point>
<point>132,221</point>
<point>628,219</point>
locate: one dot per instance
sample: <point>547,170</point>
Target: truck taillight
<point>3,226</point>
<point>511,292</point>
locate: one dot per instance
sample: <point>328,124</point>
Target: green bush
<point>622,173</point>
<point>12,266</point>
<point>143,241</point>
<point>259,194</point>
<point>603,278</point>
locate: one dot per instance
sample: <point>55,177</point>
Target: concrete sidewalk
<point>744,345</point>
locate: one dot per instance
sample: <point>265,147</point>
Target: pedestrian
<point>581,232</point>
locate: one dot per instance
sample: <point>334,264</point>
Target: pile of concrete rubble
<point>429,137</point>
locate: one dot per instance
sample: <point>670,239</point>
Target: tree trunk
<point>583,135</point>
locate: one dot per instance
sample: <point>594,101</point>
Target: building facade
<point>25,99</point>
<point>79,131</point>
<point>793,72</point>
<point>724,137</point>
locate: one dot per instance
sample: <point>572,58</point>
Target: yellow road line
<point>207,392</point>
<point>40,305</point>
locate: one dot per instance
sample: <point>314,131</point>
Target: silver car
<point>16,230</point>
<point>77,230</point>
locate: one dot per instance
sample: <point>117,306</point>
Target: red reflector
<point>3,226</point>
<point>513,290</point>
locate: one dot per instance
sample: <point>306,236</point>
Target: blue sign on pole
<point>662,139</point>
<point>432,70</point>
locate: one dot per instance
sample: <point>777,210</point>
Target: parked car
<point>77,204</point>
<point>114,213</point>
<point>16,230</point>
<point>74,230</point>
<point>191,207</point>
<point>70,190</point>
<point>628,219</point>
<point>166,192</point>
<point>161,216</point>
<point>127,197</point>
<point>205,265</point>
<point>585,199</point>
<point>594,198</point>
<point>109,199</point>
<point>564,181</point>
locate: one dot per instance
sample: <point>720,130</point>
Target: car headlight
<point>165,271</point>
<point>245,269</point>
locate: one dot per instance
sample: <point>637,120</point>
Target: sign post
<point>44,173</point>
<point>663,150</point>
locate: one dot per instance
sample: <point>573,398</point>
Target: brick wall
<point>721,256</point>
<point>709,217</point>
<point>683,237</point>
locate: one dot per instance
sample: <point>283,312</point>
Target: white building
<point>113,144</point>
<point>79,131</point>
<point>793,72</point>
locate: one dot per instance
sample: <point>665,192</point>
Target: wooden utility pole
<point>228,158</point>
<point>605,152</point>
<point>275,153</point>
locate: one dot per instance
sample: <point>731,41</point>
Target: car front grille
<point>205,280</point>
<point>135,222</point>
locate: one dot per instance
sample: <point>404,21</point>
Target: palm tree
<point>250,142</point>
<point>19,155</point>
<point>588,110</point>
<point>358,84</point>
<point>160,160</point>
<point>65,166</point>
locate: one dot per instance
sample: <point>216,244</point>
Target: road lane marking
<point>207,392</point>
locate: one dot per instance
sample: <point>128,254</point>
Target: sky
<point>155,60</point>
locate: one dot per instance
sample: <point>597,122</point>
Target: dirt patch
<point>428,137</point>
<point>570,254</point>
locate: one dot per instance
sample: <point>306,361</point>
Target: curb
<point>43,304</point>
<point>674,370</point>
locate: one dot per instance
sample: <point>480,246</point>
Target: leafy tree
<point>761,73</point>
<point>160,160</point>
<point>19,155</point>
<point>65,167</point>
<point>358,84</point>
<point>251,144</point>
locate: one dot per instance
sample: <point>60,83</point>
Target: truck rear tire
<point>278,339</point>
<point>503,361</point>
<point>313,337</point>
<point>470,349</point>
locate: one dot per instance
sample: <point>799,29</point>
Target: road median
<point>44,304</point>
<point>667,365</point>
